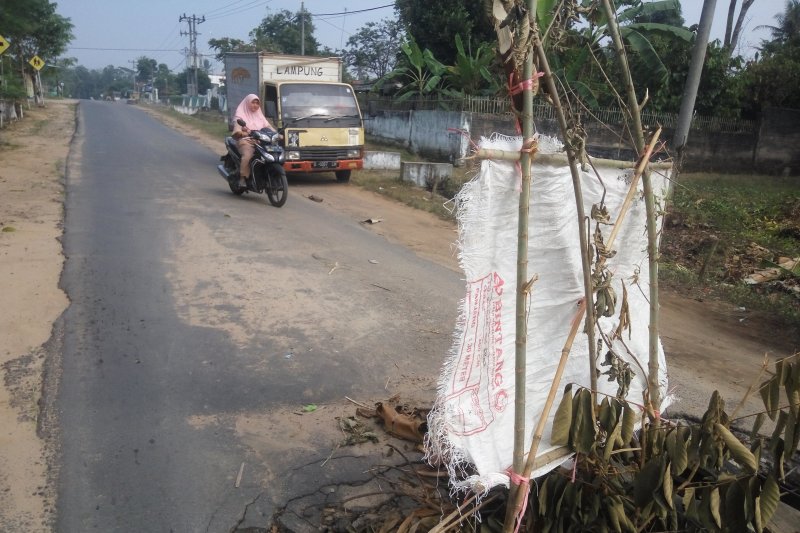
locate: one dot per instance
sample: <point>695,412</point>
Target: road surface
<point>201,324</point>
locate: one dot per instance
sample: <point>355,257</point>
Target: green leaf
<point>779,457</point>
<point>739,451</point>
<point>543,494</point>
<point>648,9</point>
<point>676,447</point>
<point>779,427</point>
<point>769,498</point>
<point>612,438</point>
<point>770,394</point>
<point>628,423</point>
<point>615,512</point>
<point>640,45</point>
<point>310,408</point>
<point>792,432</point>
<point>648,481</point>
<point>735,507</point>
<point>562,419</point>
<point>757,521</point>
<point>585,430</point>
<point>432,83</point>
<point>667,30</point>
<point>666,486</point>
<point>713,506</point>
<point>545,9</point>
<point>759,421</point>
<point>688,499</point>
<point>780,372</point>
<point>793,396</point>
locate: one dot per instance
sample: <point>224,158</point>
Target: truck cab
<point>322,125</point>
<point>303,96</point>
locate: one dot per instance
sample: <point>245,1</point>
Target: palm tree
<point>788,28</point>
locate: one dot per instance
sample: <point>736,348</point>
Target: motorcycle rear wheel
<point>278,186</point>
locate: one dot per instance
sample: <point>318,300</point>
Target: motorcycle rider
<point>249,110</point>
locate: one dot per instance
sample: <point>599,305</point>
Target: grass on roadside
<point>210,122</point>
<point>721,228</point>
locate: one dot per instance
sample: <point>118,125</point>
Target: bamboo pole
<point>560,159</point>
<point>521,339</point>
<point>515,495</point>
<point>650,207</point>
<point>562,362</point>
<point>633,103</point>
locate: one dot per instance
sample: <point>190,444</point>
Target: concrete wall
<point>381,160</point>
<point>435,134</point>
<point>772,148</point>
<point>779,141</point>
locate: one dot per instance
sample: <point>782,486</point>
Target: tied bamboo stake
<point>634,110</point>
<point>562,362</point>
<point>515,494</point>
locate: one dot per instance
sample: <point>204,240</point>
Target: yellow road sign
<point>36,62</point>
<point>3,44</point>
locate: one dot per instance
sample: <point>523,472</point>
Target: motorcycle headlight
<point>292,156</point>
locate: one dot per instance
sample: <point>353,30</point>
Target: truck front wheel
<point>343,176</point>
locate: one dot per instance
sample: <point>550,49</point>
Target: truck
<point>304,97</point>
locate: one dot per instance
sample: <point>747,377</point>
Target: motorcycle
<point>266,167</point>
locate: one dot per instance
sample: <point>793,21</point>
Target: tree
<point>227,44</point>
<point>420,73</point>
<point>33,27</point>
<point>145,69</point>
<point>654,38</point>
<point>435,24</point>
<point>772,79</point>
<point>732,31</point>
<point>471,72</point>
<point>372,51</point>
<point>203,81</point>
<point>165,80</point>
<point>281,33</point>
<point>787,30</point>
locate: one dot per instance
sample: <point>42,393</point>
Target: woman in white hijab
<point>249,110</point>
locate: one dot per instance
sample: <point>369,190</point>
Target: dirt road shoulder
<point>32,168</point>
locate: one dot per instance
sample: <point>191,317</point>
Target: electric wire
<point>241,9</point>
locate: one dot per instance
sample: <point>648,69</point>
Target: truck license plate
<point>324,164</point>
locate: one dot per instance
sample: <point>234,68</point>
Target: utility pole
<point>133,74</point>
<point>192,55</point>
<point>302,29</point>
<point>693,81</point>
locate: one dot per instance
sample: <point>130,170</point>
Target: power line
<point>351,12</point>
<point>124,49</point>
<point>241,9</point>
<point>223,8</point>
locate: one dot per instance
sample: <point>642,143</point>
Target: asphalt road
<point>191,305</point>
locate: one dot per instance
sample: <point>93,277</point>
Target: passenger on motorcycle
<point>249,110</point>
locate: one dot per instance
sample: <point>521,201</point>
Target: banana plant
<point>471,74</point>
<point>575,46</point>
<point>421,74</point>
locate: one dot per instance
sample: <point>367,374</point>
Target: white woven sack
<point>472,422</point>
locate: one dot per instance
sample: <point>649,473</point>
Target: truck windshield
<point>317,100</point>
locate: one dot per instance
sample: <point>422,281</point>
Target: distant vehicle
<point>304,97</point>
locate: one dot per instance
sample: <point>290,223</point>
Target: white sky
<point>151,27</point>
